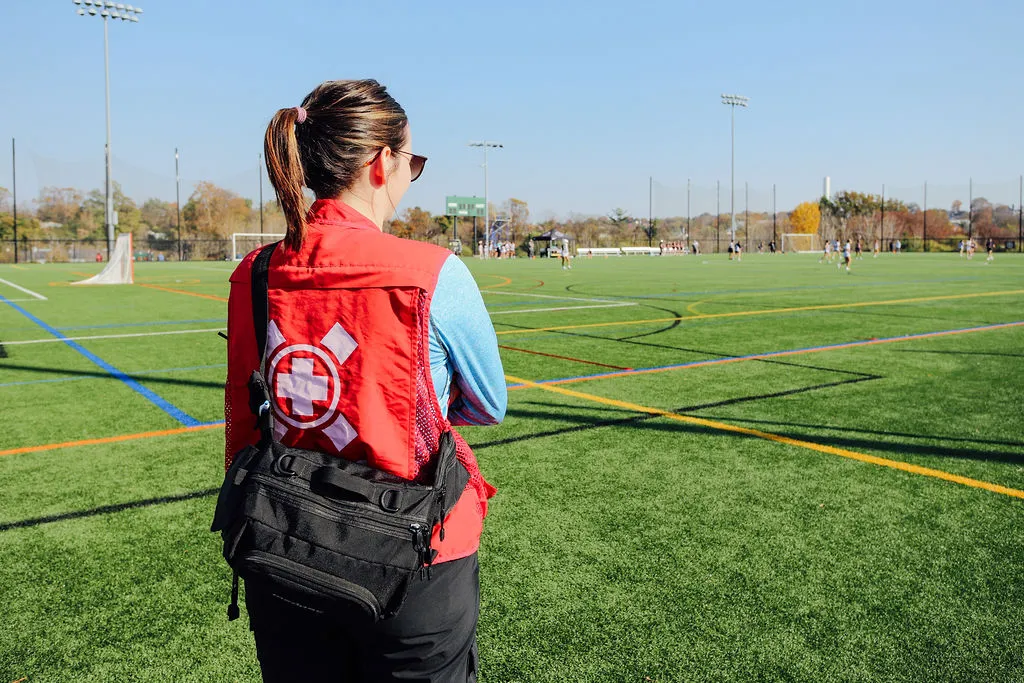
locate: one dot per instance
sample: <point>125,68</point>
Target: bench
<point>650,251</point>
<point>583,251</point>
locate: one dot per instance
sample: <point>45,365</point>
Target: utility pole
<point>486,144</point>
<point>718,216</point>
<point>733,101</point>
<point>259,170</point>
<point>14,189</point>
<point>177,199</point>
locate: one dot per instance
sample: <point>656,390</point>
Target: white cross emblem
<point>303,387</point>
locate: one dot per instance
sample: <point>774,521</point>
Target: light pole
<point>733,101</point>
<point>177,199</point>
<point>487,206</point>
<point>108,10</point>
<point>259,169</point>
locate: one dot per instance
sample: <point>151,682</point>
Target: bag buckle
<point>279,467</point>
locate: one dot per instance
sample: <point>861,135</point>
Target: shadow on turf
<point>703,352</point>
<point>106,375</point>
<point>587,425</point>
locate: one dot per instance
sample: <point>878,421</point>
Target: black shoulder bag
<point>321,528</point>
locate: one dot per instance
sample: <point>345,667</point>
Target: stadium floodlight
<point>733,101</point>
<point>108,10</point>
<point>487,207</point>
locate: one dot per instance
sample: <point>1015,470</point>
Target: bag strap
<point>260,302</point>
<point>259,394</point>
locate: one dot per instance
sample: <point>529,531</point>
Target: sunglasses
<point>416,162</point>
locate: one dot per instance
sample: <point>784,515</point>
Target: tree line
<point>214,213</point>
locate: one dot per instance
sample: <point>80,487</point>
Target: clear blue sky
<point>589,98</point>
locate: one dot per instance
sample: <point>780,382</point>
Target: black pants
<point>432,639</point>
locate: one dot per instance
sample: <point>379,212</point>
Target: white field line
<point>53,340</point>
<point>22,289</point>
<point>546,296</point>
<point>565,308</point>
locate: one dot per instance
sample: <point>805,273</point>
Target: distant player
<point>696,248</point>
<point>732,249</point>
<point>877,250</point>
<point>990,247</point>
<point>826,254</point>
<point>961,246</point>
<point>970,249</point>
<point>739,252</point>
<point>859,249</point>
<point>846,257</point>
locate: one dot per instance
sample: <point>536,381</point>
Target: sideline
<point>22,289</point>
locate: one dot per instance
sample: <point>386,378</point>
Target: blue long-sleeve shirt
<point>464,349</point>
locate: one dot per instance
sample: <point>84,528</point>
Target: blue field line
<point>159,322</point>
<point>134,374</point>
<point>770,354</point>
<point>161,403</point>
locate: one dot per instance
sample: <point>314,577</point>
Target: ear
<point>378,169</point>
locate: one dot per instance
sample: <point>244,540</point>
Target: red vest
<point>347,357</point>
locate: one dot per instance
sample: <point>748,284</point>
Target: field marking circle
<point>335,394</point>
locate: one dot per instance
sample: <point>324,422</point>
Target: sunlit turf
<point>622,545</point>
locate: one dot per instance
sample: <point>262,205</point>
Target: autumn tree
<point>518,219</point>
<point>421,223</point>
<point>805,218</point>
<point>212,211</point>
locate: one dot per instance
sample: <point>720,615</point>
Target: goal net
<point>801,243</point>
<point>120,270</point>
<point>244,242</point>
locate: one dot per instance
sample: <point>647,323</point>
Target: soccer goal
<point>244,242</point>
<point>120,270</point>
<point>801,243</point>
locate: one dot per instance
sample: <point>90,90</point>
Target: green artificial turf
<point>622,545</point>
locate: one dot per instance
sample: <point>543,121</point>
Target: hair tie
<point>300,115</point>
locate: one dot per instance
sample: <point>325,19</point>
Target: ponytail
<point>284,167</point>
<point>348,122</point>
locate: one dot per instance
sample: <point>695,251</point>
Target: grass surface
<point>628,541</point>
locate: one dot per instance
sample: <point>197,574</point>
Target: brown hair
<point>346,122</point>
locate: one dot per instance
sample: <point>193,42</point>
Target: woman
<point>375,345</point>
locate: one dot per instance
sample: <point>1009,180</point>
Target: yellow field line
<point>692,308</point>
<point>705,316</point>
<point>108,439</point>
<point>182,291</point>
<point>19,267</point>
<point>722,426</point>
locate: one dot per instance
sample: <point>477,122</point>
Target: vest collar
<point>337,212</point>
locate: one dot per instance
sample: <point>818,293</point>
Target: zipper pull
<point>233,607</point>
<point>440,533</point>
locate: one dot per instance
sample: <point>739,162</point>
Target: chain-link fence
<point>926,217</point>
<point>89,250</point>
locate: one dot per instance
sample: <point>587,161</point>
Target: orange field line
<point>109,439</point>
<point>182,291</point>
<point>507,282</point>
<point>705,316</point>
<point>778,438</point>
